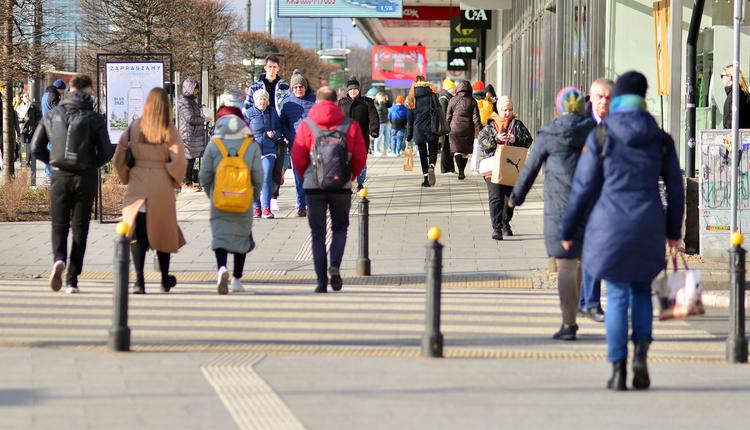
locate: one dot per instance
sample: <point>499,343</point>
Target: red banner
<point>398,62</point>
<point>423,16</point>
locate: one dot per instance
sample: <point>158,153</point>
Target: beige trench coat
<point>158,170</point>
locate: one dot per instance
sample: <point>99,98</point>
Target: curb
<point>720,299</point>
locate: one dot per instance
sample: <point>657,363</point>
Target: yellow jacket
<point>485,110</point>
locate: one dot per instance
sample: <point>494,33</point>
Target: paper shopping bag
<point>408,159</point>
<point>507,164</point>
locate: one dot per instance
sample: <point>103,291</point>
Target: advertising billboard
<point>340,8</point>
<point>128,84</point>
<point>398,62</point>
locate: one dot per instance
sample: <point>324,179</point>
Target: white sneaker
<point>71,290</point>
<point>236,286</point>
<point>221,280</point>
<point>55,277</point>
<point>274,205</point>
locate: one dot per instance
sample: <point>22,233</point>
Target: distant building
<point>310,33</point>
<point>62,18</point>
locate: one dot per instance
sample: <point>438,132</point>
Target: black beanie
<point>352,84</point>
<point>630,83</point>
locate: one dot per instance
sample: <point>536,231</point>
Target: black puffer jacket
<point>418,119</point>
<point>744,109</point>
<point>362,110</point>
<point>382,108</point>
<point>558,147</point>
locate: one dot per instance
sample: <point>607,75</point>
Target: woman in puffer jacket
<point>419,102</point>
<point>463,117</point>
<point>265,126</point>
<point>192,125</point>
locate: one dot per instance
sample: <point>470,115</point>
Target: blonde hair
<point>729,71</point>
<point>157,116</point>
<point>381,97</point>
<point>411,101</point>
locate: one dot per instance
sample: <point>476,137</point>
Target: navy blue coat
<point>627,229</point>
<point>262,121</point>
<point>418,126</point>
<point>558,146</point>
<point>293,111</point>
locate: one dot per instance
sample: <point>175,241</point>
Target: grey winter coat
<point>230,231</point>
<point>463,118</point>
<point>192,126</point>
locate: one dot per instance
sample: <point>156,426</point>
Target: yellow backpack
<point>233,188</point>
<point>485,110</point>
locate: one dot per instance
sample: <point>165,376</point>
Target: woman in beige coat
<point>149,202</point>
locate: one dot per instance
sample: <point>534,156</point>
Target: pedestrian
<point>744,99</point>
<point>397,115</point>
<point>503,128</point>
<point>264,124</point>
<point>628,226</point>
<point>491,96</point>
<point>156,166</point>
<point>80,146</point>
<point>558,147</point>
<point>382,142</point>
<point>192,127</point>
<point>420,104</point>
<point>484,101</point>
<point>52,96</point>
<point>293,111</point>
<point>231,230</point>
<point>589,304</point>
<point>29,115</point>
<point>446,156</point>
<point>362,110</point>
<point>230,103</point>
<point>327,132</point>
<point>465,125</point>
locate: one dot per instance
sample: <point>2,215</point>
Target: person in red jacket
<point>326,115</point>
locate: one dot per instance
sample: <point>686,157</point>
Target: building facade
<point>310,33</point>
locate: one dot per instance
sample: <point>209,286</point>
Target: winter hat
<point>448,84</point>
<point>400,99</point>
<point>231,98</point>
<point>59,84</point>
<point>569,100</point>
<point>261,93</point>
<point>189,85</point>
<point>297,79</point>
<point>352,84</point>
<point>630,82</point>
<point>477,86</point>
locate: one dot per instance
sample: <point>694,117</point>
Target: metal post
<point>432,342</point>
<point>736,341</point>
<point>119,334</point>
<point>363,261</point>
<point>735,111</point>
<point>692,39</point>
<point>675,67</point>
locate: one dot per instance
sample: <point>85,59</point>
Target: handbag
<point>129,158</point>
<point>438,124</point>
<point>679,292</point>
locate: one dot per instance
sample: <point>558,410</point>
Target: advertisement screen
<point>398,62</point>
<point>128,85</point>
<point>340,8</point>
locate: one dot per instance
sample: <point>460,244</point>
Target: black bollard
<point>432,342</point>
<point>119,334</point>
<point>736,341</point>
<point>363,261</point>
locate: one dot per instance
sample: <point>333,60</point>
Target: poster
<point>398,62</point>
<point>715,195</point>
<point>340,8</point>
<point>128,84</point>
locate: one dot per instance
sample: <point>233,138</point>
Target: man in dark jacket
<point>325,115</point>
<point>80,145</point>
<point>270,81</point>
<point>50,99</point>
<point>362,110</point>
<point>446,157</point>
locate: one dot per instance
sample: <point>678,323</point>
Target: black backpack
<point>329,159</point>
<point>438,124</point>
<point>76,153</point>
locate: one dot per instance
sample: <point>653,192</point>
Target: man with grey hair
<point>599,99</point>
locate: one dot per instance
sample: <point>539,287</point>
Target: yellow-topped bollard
<point>122,228</point>
<point>363,260</point>
<point>434,233</point>
<point>362,193</point>
<point>737,238</point>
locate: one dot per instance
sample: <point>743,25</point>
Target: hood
<point>78,100</point>
<point>422,89</point>
<point>326,114</point>
<point>228,110</point>
<point>231,126</point>
<point>50,89</point>
<point>188,86</point>
<point>572,130</point>
<point>463,87</point>
<point>445,93</point>
<point>634,128</point>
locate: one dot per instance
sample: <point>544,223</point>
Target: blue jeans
<point>381,143</point>
<point>591,292</point>
<point>264,199</point>
<point>362,176</point>
<point>622,296</point>
<point>397,140</point>
<point>301,202</point>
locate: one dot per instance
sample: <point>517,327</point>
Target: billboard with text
<point>340,8</point>
<point>398,62</point>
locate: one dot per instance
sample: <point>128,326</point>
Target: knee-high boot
<point>641,379</point>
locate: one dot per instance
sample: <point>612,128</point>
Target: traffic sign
<point>463,36</point>
<point>477,19</point>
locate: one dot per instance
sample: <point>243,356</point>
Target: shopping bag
<point>476,156</point>
<point>507,164</point>
<point>679,292</point>
<point>408,159</point>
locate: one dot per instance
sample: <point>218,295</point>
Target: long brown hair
<point>729,71</point>
<point>411,102</point>
<point>157,116</point>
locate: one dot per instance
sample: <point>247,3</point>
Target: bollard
<point>363,261</point>
<point>432,342</point>
<point>736,341</point>
<point>119,334</point>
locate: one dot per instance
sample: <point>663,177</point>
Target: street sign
<point>464,52</point>
<point>477,19</point>
<point>458,63</point>
<point>463,36</point>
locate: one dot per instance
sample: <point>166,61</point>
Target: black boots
<point>641,380</point>
<point>619,375</point>
<point>566,332</point>
<point>461,163</point>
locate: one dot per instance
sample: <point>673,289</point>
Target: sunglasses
<point>724,75</point>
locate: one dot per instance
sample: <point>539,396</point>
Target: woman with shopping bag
<point>617,180</point>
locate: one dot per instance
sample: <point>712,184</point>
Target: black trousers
<point>189,175</point>
<point>239,261</point>
<point>140,246</point>
<point>499,196</point>
<point>278,170</point>
<point>427,154</point>
<point>71,199</point>
<point>318,205</point>
<point>446,157</point>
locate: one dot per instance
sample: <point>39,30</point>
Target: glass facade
<point>310,33</point>
<point>62,17</point>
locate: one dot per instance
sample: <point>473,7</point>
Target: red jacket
<point>328,116</point>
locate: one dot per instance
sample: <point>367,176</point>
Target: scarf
<point>628,103</point>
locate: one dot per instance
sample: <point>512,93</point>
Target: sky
<point>352,35</point>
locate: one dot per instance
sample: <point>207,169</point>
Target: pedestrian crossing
<point>481,320</point>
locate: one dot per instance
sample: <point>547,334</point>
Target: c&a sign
<point>476,18</point>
